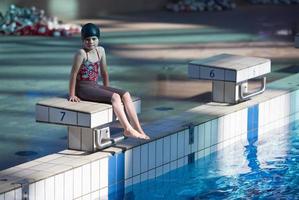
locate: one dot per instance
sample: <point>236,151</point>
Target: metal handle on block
<point>101,137</point>
<point>245,95</point>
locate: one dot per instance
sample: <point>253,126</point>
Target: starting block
<point>87,122</point>
<point>230,75</point>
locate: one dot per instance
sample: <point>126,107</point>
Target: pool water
<point>263,167</point>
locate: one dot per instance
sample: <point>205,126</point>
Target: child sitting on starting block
<point>88,61</point>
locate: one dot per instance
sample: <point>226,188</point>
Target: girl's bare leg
<point>129,131</point>
<point>127,100</point>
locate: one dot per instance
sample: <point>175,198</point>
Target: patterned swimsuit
<point>87,87</point>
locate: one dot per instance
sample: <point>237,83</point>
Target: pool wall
<point>107,174</point>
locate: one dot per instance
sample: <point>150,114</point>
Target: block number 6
<point>62,115</point>
<point>212,74</point>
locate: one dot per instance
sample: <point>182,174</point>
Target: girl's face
<point>91,43</point>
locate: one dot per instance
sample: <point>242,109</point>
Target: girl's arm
<point>73,76</point>
<point>103,67</point>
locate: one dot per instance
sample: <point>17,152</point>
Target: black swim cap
<point>89,30</point>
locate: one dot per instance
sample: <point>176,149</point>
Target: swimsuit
<point>87,87</point>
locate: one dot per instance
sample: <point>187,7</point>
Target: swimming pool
<point>256,168</point>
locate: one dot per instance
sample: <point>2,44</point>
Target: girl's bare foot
<point>146,137</point>
<point>130,132</point>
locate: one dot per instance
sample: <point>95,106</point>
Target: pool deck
<point>147,55</point>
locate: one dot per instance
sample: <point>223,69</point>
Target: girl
<point>83,82</point>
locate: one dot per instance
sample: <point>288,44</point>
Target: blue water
<point>264,167</point>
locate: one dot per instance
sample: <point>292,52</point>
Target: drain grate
<point>164,108</point>
<point>26,153</point>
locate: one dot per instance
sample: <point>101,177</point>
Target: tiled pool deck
<point>149,59</point>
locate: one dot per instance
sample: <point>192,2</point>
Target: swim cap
<point>89,30</point>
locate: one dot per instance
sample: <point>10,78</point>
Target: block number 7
<point>62,115</point>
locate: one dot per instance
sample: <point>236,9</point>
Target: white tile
<point>9,195</point>
<point>86,179</point>
<point>174,147</point>
<point>219,146</point>
<point>77,182</point>
<point>272,110</point>
<point>136,179</point>
<point>99,118</point>
<point>40,190</point>
<point>87,139</point>
<point>144,176</point>
<point>220,129</point>
<point>110,114</point>
<point>233,121</point>
<point>42,113</point>
<point>181,143</point>
<point>238,122</point>
<point>218,91</point>
<point>201,137</point>
<point>128,182</point>
<point>159,171</point>
<point>159,152</point>
<point>95,175</point>
<point>207,134</point>
<point>187,145</point>
<point>104,172</point>
<point>214,131</point>
<point>95,195</point>
<point>59,186</point>
<point>31,191</point>
<point>186,160</point>
<point>68,185</point>
<point>104,194</point>
<point>128,163</point>
<point>166,149</point>
<point>144,158</point>
<point>18,194</point>
<point>244,123</point>
<point>267,113</point>
<point>242,75</point>
<point>152,174</point>
<point>2,197</point>
<point>200,154</point>
<point>74,137</point>
<point>152,155</point>
<point>207,151</point>
<point>194,146</point>
<point>261,114</point>
<point>62,116</point>
<point>84,119</point>
<point>226,127</point>
<point>213,148</point>
<point>166,168</point>
<point>181,162</point>
<point>86,197</point>
<point>173,165</point>
<point>136,161</point>
<point>287,103</point>
<point>50,188</point>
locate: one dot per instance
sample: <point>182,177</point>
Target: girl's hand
<point>74,99</point>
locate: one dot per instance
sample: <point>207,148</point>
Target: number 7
<point>63,114</point>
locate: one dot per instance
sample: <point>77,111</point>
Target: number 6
<point>212,74</point>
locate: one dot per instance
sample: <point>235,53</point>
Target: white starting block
<point>88,122</point>
<point>230,75</point>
